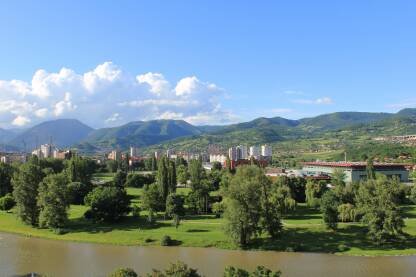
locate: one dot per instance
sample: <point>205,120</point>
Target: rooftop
<point>353,164</point>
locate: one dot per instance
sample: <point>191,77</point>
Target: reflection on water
<point>20,255</point>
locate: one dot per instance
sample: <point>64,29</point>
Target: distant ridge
<point>63,132</point>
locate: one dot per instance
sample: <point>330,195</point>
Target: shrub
<point>166,241</point>
<point>7,202</point>
<point>123,272</point>
<point>108,203</point>
<point>77,192</point>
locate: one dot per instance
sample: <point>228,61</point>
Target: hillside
<point>329,131</point>
<point>139,134</point>
<point>63,132</point>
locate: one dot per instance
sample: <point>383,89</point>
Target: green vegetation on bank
<point>304,230</point>
<point>222,208</point>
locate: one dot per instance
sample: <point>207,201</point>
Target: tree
<point>243,205</point>
<point>413,194</point>
<point>216,166</point>
<point>80,170</point>
<point>108,204</point>
<point>125,163</point>
<point>178,269</point>
<point>314,191</point>
<point>25,190</point>
<point>163,178</point>
<point>196,173</point>
<point>6,174</point>
<point>7,202</point>
<point>377,202</point>
<point>120,179</point>
<point>260,271</point>
<point>172,183</point>
<point>338,178</point>
<point>77,192</point>
<point>152,200</point>
<point>53,201</point>
<point>112,166</point>
<point>347,212</point>
<point>123,272</point>
<point>174,207</point>
<point>135,180</point>
<point>329,209</point>
<point>182,174</point>
<point>370,169</point>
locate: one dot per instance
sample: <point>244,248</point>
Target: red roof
<point>353,164</point>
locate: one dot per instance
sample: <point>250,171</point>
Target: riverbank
<point>304,232</point>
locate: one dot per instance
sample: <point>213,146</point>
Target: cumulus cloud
<point>318,101</point>
<point>20,121</point>
<point>107,96</point>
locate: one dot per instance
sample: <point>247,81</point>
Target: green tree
<point>6,174</point>
<point>314,191</point>
<point>347,212</point>
<point>172,182</point>
<point>108,204</point>
<point>175,208</point>
<point>182,173</point>
<point>25,190</point>
<point>120,179</point>
<point>112,166</point>
<point>260,271</point>
<point>413,194</point>
<point>77,192</point>
<point>329,209</point>
<point>123,272</point>
<point>163,178</point>
<point>377,202</point>
<point>152,200</point>
<point>196,173</point>
<point>243,205</point>
<point>178,269</point>
<point>80,170</point>
<point>7,202</point>
<point>53,201</point>
<point>216,166</point>
<point>370,169</point>
<point>338,178</point>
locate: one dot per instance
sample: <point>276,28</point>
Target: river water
<point>21,255</point>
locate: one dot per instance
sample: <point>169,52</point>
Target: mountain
<point>139,134</point>
<point>62,132</point>
<point>341,119</point>
<point>340,126</point>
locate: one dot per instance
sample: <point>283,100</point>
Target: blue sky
<point>207,62</point>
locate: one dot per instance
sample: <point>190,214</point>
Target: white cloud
<point>318,101</point>
<point>107,95</point>
<point>20,121</point>
<point>156,81</point>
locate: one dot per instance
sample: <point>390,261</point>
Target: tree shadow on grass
<point>128,223</point>
<point>304,213</point>
<point>324,241</point>
<point>196,231</point>
<point>408,212</point>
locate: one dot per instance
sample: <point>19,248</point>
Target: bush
<point>166,241</point>
<point>7,202</point>
<point>135,180</point>
<point>108,203</point>
<point>77,192</point>
<point>123,272</point>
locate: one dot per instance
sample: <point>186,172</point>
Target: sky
<point>207,62</point>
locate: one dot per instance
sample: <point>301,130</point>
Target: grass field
<point>304,231</point>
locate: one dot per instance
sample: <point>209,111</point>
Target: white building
<point>134,151</point>
<point>46,151</point>
<point>266,151</point>
<point>242,153</point>
<point>254,152</point>
<point>232,153</point>
<point>217,158</point>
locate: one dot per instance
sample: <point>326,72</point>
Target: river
<point>21,255</point>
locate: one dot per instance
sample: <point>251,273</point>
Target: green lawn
<point>304,231</point>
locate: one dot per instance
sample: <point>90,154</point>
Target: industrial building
<point>355,171</point>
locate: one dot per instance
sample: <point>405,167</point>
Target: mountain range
<point>180,134</point>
